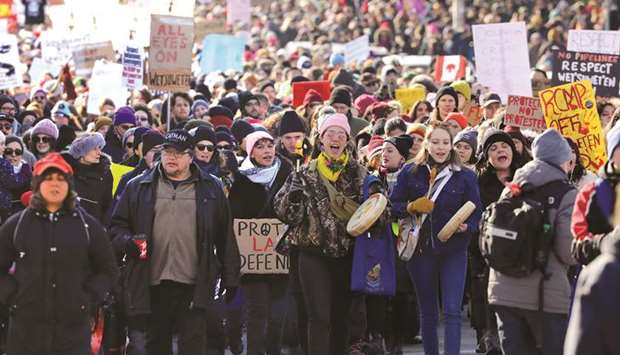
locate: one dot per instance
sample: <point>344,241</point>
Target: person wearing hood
<point>14,152</point>
<point>342,101</point>
<point>91,174</point>
<point>131,141</point>
<point>200,108</point>
<point>465,144</point>
<point>43,138</point>
<point>206,156</point>
<point>124,119</point>
<point>516,300</point>
<point>9,182</point>
<point>522,145</point>
<point>446,101</point>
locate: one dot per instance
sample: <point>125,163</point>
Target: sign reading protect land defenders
<point>524,112</point>
<point>602,70</point>
<point>257,239</point>
<point>571,109</point>
<point>170,53</point>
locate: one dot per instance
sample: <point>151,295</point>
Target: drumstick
<point>299,150</point>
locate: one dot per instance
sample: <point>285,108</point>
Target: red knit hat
<point>374,145</point>
<point>363,102</point>
<point>381,110</point>
<point>221,120</point>
<point>312,96</point>
<point>458,118</point>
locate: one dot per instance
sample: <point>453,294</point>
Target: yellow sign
<point>409,96</point>
<point>571,109</point>
<point>118,171</point>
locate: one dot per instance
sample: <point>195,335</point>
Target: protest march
<point>309,177</point>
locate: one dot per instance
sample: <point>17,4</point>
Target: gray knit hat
<point>45,127</point>
<point>85,143</point>
<point>551,147</point>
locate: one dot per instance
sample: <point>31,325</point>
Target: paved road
<point>468,341</point>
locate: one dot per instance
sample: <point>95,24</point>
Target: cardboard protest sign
<point>357,50</point>
<point>450,68</point>
<point>524,112</point>
<point>571,109</point>
<point>592,41</point>
<point>85,55</point>
<point>106,82</point>
<point>118,170</point>
<point>408,97</point>
<point>257,239</point>
<point>602,70</point>
<point>502,58</point>
<point>221,52</point>
<point>10,75</point>
<point>133,67</point>
<point>238,11</point>
<point>301,88</point>
<point>170,53</point>
<point>57,47</point>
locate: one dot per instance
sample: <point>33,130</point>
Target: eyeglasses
<point>129,144</point>
<point>41,139</point>
<point>174,152</point>
<point>11,151</point>
<point>6,126</point>
<point>223,146</point>
<point>39,98</point>
<point>208,147</point>
<point>126,126</point>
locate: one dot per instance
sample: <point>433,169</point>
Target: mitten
<point>421,205</point>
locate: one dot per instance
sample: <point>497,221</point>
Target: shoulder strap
<point>84,224</point>
<point>19,222</point>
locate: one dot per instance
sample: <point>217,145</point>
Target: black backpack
<point>516,235</point>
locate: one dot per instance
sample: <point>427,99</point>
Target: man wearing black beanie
<point>341,100</point>
<point>291,131</point>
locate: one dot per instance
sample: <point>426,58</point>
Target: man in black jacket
<point>174,225</point>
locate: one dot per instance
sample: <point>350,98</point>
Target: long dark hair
<point>37,202</point>
<point>579,171</point>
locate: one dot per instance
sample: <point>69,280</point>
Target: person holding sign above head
<point>173,224</point>
<point>317,203</point>
<point>261,175</point>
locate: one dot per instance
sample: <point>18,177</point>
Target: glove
<point>136,246</point>
<point>421,205</point>
<point>228,293</point>
<point>586,250</point>
<point>296,188</point>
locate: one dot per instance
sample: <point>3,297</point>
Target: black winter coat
<point>219,254</point>
<point>61,271</point>
<point>114,146</point>
<point>93,184</point>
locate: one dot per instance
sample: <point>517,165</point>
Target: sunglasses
<point>39,98</point>
<point>129,144</point>
<point>41,139</point>
<point>11,151</point>
<point>208,147</point>
<point>223,146</point>
<point>6,126</point>
<point>126,126</point>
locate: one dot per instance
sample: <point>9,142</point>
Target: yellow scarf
<point>331,169</point>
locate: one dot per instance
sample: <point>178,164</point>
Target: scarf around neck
<point>331,169</point>
<point>259,175</point>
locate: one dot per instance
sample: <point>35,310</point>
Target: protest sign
<point>592,41</point>
<point>357,50</point>
<point>85,55</point>
<point>10,75</point>
<point>133,67</point>
<point>222,52</point>
<point>409,60</point>
<point>301,88</point>
<point>602,70</point>
<point>524,112</point>
<point>57,47</point>
<point>170,53</point>
<point>450,68</point>
<point>118,170</point>
<point>257,239</point>
<point>106,82</point>
<point>571,109</point>
<point>238,11</point>
<point>408,97</point>
<point>502,58</point>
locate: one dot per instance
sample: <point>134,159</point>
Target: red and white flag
<point>450,68</point>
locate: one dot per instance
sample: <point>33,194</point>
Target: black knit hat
<point>340,95</point>
<point>230,84</point>
<point>402,143</point>
<point>224,136</point>
<point>219,110</point>
<point>150,140</point>
<point>240,129</point>
<point>291,122</point>
<point>494,135</point>
<point>203,134</point>
<point>244,98</point>
<point>231,103</point>
<point>447,90</point>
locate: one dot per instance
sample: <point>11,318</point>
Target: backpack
<point>516,235</point>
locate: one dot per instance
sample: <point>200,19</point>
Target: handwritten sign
<point>409,96</point>
<point>602,70</point>
<point>571,109</point>
<point>133,67</point>
<point>222,52</point>
<point>257,239</point>
<point>592,41</point>
<point>357,50</point>
<point>106,82</point>
<point>57,46</point>
<point>10,75</point>
<point>85,55</point>
<point>502,59</point>
<point>524,112</point>
<point>170,53</point>
<point>238,11</point>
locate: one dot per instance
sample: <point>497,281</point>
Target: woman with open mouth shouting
<point>317,203</point>
<point>431,190</point>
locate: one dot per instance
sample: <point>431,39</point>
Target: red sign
<point>300,89</point>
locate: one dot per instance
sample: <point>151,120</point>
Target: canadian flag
<point>450,68</point>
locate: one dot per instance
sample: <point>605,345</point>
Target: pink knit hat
<point>252,138</point>
<point>335,120</point>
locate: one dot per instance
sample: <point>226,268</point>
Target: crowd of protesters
<point>154,254</point>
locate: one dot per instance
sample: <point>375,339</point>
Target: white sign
<point>591,41</point>
<point>502,59</point>
<point>10,75</point>
<point>238,11</point>
<point>357,50</point>
<point>57,47</point>
<point>106,83</point>
<point>133,69</point>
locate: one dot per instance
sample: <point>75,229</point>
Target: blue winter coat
<point>462,187</point>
